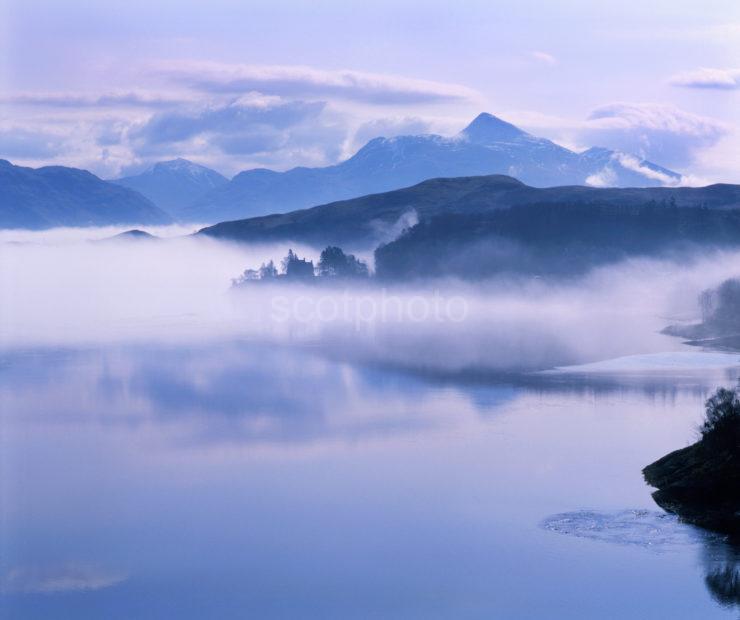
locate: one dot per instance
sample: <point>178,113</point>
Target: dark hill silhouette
<point>364,222</point>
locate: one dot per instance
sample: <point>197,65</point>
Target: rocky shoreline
<point>701,483</point>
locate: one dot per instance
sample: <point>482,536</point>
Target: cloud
<point>390,127</point>
<point>229,134</point>
<point>630,162</point>
<point>660,133</point>
<point>110,132</point>
<point>268,130</point>
<point>67,578</point>
<point>256,120</point>
<point>24,143</point>
<point>300,81</point>
<point>543,57</point>
<point>606,177</point>
<point>103,100</point>
<point>230,116</point>
<point>713,79</point>
<point>603,315</point>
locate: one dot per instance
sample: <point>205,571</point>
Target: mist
<point>71,287</point>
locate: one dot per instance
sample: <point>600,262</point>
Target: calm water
<point>236,481</point>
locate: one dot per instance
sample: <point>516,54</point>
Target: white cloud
<point>389,127</point>
<point>111,99</point>
<point>248,118</point>
<point>543,57</point>
<point>258,129</point>
<point>606,177</point>
<point>630,162</point>
<point>229,134</point>
<point>716,79</point>
<point>718,164</point>
<point>67,578</point>
<point>229,116</point>
<point>654,116</point>
<point>302,81</point>
<point>661,133</point>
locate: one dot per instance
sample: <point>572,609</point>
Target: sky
<point>114,86</point>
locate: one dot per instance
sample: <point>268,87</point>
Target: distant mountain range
<point>363,223</point>
<point>487,146</point>
<point>58,196</point>
<point>174,185</point>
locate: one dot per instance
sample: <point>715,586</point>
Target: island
<point>334,265</point>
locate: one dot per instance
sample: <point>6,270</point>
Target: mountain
<point>174,185</point>
<point>362,223</point>
<point>131,235</point>
<point>59,196</point>
<point>487,146</point>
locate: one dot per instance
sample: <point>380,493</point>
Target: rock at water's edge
<point>700,484</point>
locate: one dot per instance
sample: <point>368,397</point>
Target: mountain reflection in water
<point>285,484</point>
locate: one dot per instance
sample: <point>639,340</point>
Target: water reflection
<point>251,393</point>
<point>721,561</point>
<point>660,532</point>
<point>230,391</point>
<point>232,480</point>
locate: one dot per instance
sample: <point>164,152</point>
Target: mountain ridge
<point>173,184</point>
<point>488,145</point>
<point>39,198</point>
<point>362,223</point>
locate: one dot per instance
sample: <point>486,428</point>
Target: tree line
<point>333,264</point>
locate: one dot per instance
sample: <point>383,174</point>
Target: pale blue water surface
<point>232,480</point>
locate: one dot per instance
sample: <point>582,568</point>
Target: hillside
<point>364,222</point>
<point>174,185</point>
<point>551,239</point>
<point>59,196</point>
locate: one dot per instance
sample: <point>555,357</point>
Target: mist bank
<point>720,318</point>
<point>73,292</point>
<point>88,285</point>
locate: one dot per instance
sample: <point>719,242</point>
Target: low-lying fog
<point>70,287</point>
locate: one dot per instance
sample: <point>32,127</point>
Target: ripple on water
<point>644,528</point>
